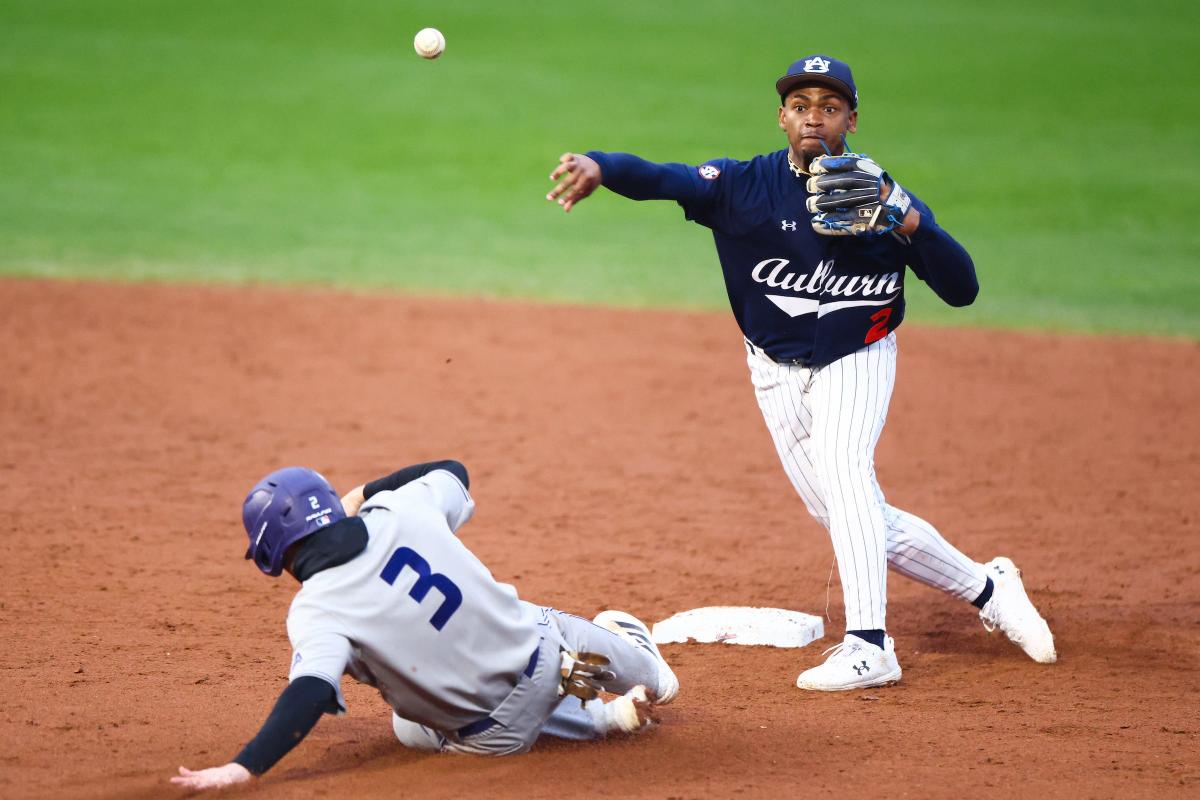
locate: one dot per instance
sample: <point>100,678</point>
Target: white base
<point>776,627</point>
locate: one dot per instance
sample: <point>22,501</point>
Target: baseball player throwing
<point>391,596</point>
<point>813,242</point>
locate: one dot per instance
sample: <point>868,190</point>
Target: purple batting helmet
<point>282,509</point>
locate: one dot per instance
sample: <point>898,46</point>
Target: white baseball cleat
<point>1010,610</point>
<point>854,664</point>
<point>634,631</point>
<point>632,712</point>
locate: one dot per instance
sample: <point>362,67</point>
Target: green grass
<point>304,141</point>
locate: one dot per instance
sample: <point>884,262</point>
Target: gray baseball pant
<point>534,707</point>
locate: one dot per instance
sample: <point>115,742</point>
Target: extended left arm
<point>299,707</point>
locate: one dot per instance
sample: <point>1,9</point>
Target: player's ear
<point>853,128</point>
<point>782,111</point>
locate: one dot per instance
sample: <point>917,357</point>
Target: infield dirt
<point>619,460</point>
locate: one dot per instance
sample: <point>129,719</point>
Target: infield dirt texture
<point>618,456</point>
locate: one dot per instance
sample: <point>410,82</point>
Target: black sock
<point>875,636</point>
<point>985,595</point>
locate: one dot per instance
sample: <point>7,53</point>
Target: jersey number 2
<point>879,329</point>
<point>426,579</point>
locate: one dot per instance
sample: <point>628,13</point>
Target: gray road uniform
<point>464,663</point>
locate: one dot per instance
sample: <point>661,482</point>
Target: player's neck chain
<point>796,170</point>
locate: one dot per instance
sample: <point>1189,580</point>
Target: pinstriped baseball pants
<point>825,422</point>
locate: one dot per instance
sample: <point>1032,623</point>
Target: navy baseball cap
<point>819,69</point>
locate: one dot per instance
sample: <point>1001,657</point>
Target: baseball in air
<point>429,43</point>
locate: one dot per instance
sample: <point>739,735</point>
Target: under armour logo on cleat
<point>860,670</point>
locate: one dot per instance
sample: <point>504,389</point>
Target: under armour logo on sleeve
<point>787,225</point>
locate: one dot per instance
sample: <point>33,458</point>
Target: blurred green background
<point>306,142</point>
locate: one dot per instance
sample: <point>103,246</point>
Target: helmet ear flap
<point>262,557</point>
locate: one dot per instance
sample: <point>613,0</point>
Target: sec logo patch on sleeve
<point>709,172</point>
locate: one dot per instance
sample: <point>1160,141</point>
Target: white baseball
<point>429,43</point>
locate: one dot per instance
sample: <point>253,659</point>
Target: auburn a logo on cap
<point>816,64</point>
<point>710,172</point>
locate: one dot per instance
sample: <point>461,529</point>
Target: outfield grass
<point>304,141</point>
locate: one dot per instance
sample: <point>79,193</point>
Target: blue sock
<point>985,595</point>
<point>875,636</point>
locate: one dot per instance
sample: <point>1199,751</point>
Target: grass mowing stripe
<point>306,142</point>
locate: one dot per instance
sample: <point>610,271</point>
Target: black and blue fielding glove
<point>847,197</point>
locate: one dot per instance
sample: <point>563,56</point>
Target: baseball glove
<point>848,197</point>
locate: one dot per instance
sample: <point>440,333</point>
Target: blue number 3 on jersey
<point>426,579</point>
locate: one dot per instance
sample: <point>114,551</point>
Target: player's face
<point>814,116</point>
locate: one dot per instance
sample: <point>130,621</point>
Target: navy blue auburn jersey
<point>799,295</point>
